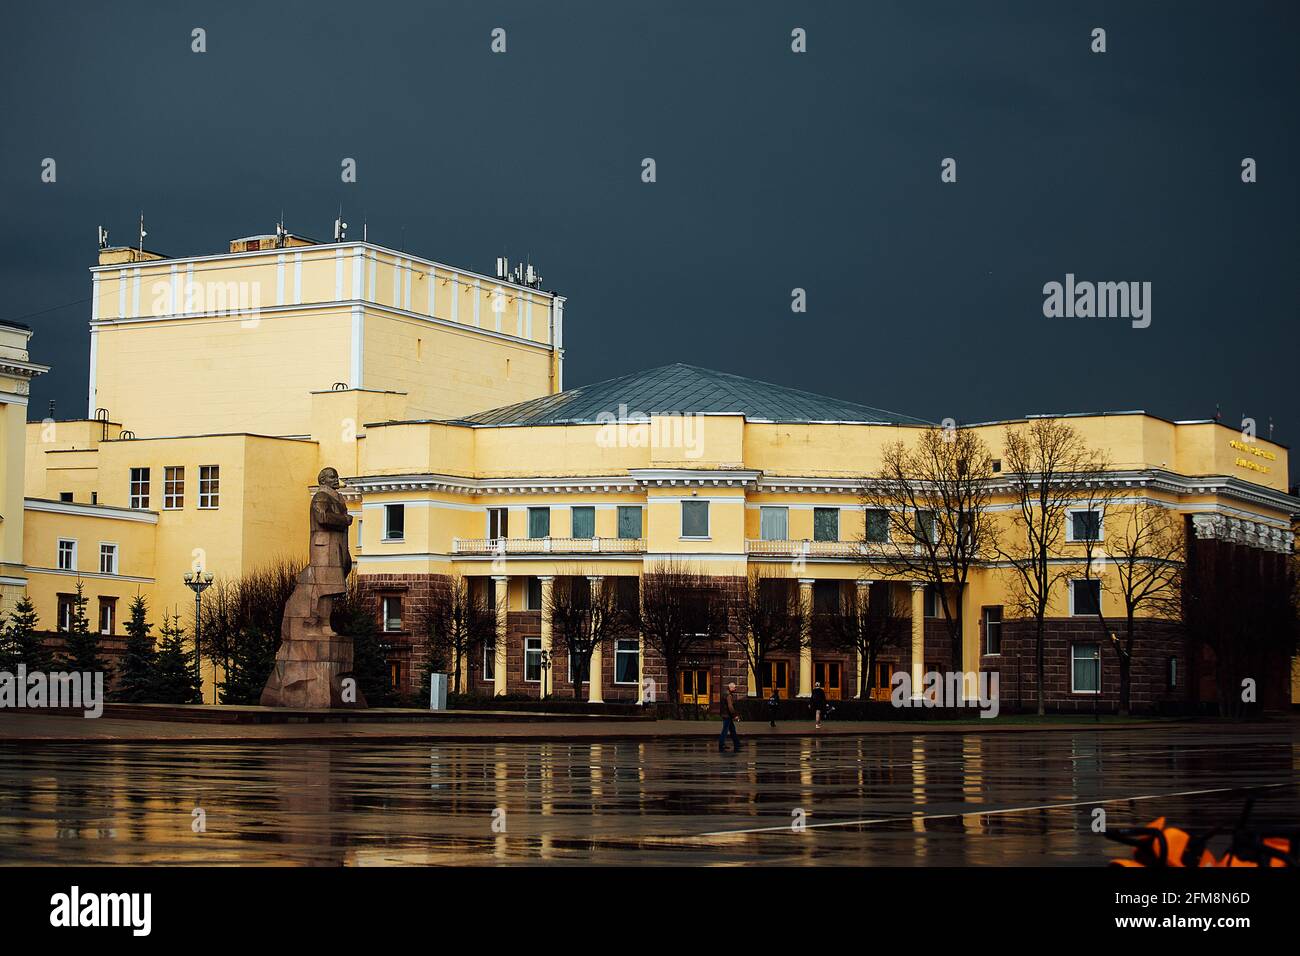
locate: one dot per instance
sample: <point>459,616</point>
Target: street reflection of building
<point>438,393</point>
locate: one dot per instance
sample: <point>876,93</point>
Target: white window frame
<point>388,534</point>
<point>170,499</point>
<point>866,524</point>
<point>114,563</point>
<point>640,522</point>
<point>708,520</point>
<point>572,509</point>
<point>1073,582</point>
<point>636,651</point>
<point>213,497</point>
<point>110,602</point>
<point>490,654</point>
<point>58,554</point>
<point>487,522</point>
<point>838,520</point>
<point>1075,645</point>
<point>1001,618</point>
<point>774,509</point>
<point>384,616</point>
<point>1069,525</point>
<point>138,500</point>
<point>934,524</point>
<point>529,648</point>
<point>549,516</point>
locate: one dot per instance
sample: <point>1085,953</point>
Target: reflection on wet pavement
<point>1008,799</point>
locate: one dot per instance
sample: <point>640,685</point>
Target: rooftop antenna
<point>1218,416</point>
<point>1270,428</point>
<point>103,238</point>
<point>142,232</point>
<point>340,227</point>
<point>280,232</point>
<point>51,408</point>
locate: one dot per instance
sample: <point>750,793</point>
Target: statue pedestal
<point>309,669</point>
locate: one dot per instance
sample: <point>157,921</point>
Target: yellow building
<point>221,384</point>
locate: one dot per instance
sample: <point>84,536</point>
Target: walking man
<point>818,703</point>
<point>729,718</point>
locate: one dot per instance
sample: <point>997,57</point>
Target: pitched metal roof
<point>685,390</point>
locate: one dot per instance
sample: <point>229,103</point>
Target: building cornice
<point>696,478</point>
<point>379,484</point>
<point>111,512</point>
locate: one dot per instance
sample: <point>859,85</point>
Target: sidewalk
<point>29,728</point>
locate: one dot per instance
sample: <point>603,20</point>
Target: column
<point>864,598</point>
<point>970,643</point>
<point>640,669</point>
<point>503,605</point>
<point>805,637</point>
<point>548,682</point>
<point>918,637</point>
<point>596,677</point>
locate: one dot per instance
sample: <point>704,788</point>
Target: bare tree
<point>586,613</point>
<point>867,624</point>
<point>767,619</point>
<point>931,501</point>
<point>679,614</point>
<point>1049,467</point>
<point>458,622</point>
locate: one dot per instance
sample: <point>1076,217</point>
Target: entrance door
<point>693,686</point>
<point>884,676</point>
<point>829,674</point>
<point>776,674</point>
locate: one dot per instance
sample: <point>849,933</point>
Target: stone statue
<point>313,662</point>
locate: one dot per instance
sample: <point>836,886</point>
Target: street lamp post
<point>545,665</point>
<point>198,582</point>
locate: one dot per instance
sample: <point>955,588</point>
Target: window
<point>209,486</point>
<point>776,674</point>
<point>1171,673</point>
<point>173,487</point>
<point>877,524</point>
<point>1085,669</point>
<point>695,519</point>
<point>1085,525</point>
<point>390,612</point>
<point>394,522</point>
<point>925,528</point>
<point>533,659</point>
<point>67,555</point>
<point>139,487</point>
<point>107,614</point>
<point>534,597</point>
<point>997,465</point>
<point>993,630</point>
<point>826,597</point>
<point>627,592</point>
<point>107,558</point>
<point>539,522</point>
<point>629,521</point>
<point>490,661</point>
<point>578,672</point>
<point>826,524</point>
<point>583,522</point>
<point>931,601</point>
<point>1085,597</point>
<point>830,675</point>
<point>627,653</point>
<point>773,524</point>
<point>498,523</point>
<point>65,496</point>
<point>67,608</point>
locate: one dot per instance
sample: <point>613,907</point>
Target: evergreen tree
<point>355,617</point>
<point>137,679</point>
<point>250,659</point>
<point>174,679</point>
<point>8,649</point>
<point>81,644</point>
<point>27,645</point>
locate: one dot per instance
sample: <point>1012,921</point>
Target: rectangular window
<point>209,486</point>
<point>627,669</point>
<point>534,600</point>
<point>925,528</point>
<point>490,661</point>
<point>1085,597</point>
<point>826,524</point>
<point>1085,525</point>
<point>931,601</point>
<point>498,523</point>
<point>629,521</point>
<point>773,524</point>
<point>67,602</point>
<point>173,487</point>
<point>67,555</point>
<point>107,559</point>
<point>993,630</point>
<point>695,519</point>
<point>539,522</point>
<point>877,525</point>
<point>65,496</point>
<point>582,521</point>
<point>139,487</point>
<point>533,659</point>
<point>1171,673</point>
<point>627,592</point>
<point>826,597</point>
<point>107,615</point>
<point>394,522</point>
<point>390,612</point>
<point>1085,669</point>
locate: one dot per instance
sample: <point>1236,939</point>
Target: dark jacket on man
<point>818,699</point>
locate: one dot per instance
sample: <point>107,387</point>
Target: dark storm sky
<point>775,171</point>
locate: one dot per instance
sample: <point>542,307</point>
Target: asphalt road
<point>1023,798</point>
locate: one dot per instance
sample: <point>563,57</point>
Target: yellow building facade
<point>221,384</point>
